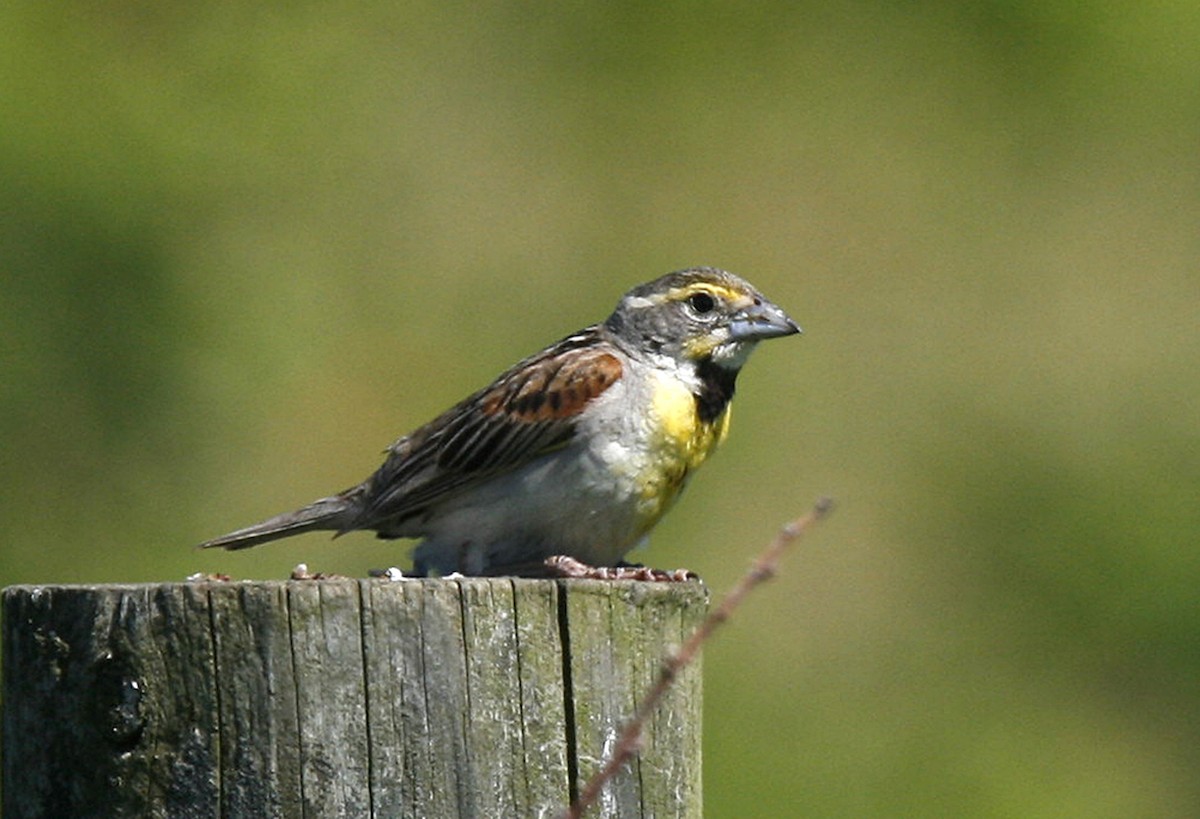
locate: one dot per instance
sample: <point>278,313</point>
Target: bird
<point>574,453</point>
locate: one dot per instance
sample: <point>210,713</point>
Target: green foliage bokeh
<point>242,248</point>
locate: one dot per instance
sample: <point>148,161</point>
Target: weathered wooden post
<point>425,698</point>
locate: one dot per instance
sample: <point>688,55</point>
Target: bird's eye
<point>702,302</point>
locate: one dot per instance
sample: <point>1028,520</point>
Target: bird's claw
<point>565,566</point>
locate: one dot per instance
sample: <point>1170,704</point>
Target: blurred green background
<point>243,247</point>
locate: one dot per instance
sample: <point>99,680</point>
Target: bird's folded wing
<point>528,412</point>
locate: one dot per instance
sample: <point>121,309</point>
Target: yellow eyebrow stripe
<point>728,294</point>
<point>723,293</point>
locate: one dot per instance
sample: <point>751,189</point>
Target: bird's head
<point>698,315</point>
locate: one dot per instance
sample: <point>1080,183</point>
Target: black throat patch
<point>716,390</point>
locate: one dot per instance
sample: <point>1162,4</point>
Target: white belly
<point>593,500</point>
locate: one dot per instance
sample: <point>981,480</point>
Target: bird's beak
<point>761,320</point>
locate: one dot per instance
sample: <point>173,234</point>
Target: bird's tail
<point>332,513</point>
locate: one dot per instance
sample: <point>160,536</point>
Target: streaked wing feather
<point>527,412</point>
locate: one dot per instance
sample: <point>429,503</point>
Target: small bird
<point>576,451</point>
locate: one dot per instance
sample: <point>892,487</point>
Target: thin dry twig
<point>765,567</point>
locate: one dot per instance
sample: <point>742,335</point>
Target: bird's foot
<point>301,572</point>
<point>565,566</point>
<point>201,577</point>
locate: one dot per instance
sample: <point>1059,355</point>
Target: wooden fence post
<point>474,697</point>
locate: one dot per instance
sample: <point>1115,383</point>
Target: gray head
<point>701,314</point>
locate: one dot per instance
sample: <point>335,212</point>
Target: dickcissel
<point>576,451</point>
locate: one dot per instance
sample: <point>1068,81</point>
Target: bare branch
<point>765,567</point>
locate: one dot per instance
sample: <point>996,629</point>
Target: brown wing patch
<point>556,388</point>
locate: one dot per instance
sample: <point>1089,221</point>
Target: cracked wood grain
<point>429,698</point>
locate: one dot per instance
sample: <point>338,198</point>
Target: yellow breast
<point>680,443</point>
<point>683,437</point>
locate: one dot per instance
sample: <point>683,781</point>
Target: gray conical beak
<point>761,320</point>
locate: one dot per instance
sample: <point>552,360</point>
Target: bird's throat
<point>692,422</point>
<point>716,390</point>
